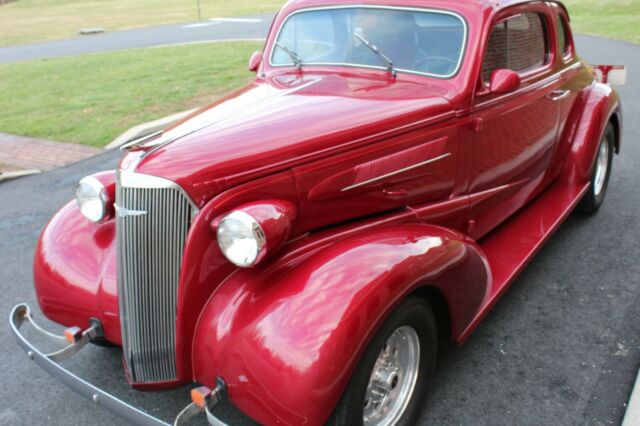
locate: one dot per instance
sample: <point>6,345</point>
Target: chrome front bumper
<point>75,339</point>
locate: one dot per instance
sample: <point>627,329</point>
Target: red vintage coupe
<point>300,247</point>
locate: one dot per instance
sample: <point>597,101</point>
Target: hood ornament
<point>137,144</point>
<point>121,212</point>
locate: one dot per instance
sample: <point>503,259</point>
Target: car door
<point>412,168</point>
<point>574,79</point>
<point>514,133</point>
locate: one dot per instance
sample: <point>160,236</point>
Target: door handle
<point>395,192</point>
<point>558,94</point>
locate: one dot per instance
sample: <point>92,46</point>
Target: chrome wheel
<point>393,378</point>
<point>602,166</point>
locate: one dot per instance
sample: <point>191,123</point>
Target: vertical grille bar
<point>151,229</point>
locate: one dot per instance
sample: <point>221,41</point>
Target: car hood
<point>277,123</point>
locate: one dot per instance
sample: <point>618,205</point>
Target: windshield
<point>404,40</point>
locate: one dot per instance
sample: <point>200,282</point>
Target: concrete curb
<point>12,175</point>
<point>632,415</point>
<point>148,128</point>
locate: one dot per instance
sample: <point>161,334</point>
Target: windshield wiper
<point>293,55</point>
<point>377,51</point>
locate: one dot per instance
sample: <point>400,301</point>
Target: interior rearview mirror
<point>504,81</point>
<point>254,61</point>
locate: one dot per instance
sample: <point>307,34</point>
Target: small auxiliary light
<point>73,334</point>
<point>200,396</point>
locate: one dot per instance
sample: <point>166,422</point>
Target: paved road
<point>247,27</point>
<point>562,346</point>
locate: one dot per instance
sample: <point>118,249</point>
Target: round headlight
<point>91,197</point>
<point>241,239</point>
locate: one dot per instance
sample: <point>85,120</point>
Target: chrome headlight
<point>241,239</point>
<point>91,197</point>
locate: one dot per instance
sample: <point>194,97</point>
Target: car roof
<point>482,5</point>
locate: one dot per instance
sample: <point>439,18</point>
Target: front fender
<point>74,269</point>
<point>286,337</point>
<point>586,129</point>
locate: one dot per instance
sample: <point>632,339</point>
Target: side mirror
<point>255,61</point>
<point>504,81</point>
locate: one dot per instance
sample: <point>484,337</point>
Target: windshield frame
<point>463,47</point>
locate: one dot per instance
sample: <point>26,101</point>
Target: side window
<point>564,38</point>
<point>519,43</point>
<point>497,48</point>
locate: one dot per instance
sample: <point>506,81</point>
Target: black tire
<point>104,343</point>
<point>413,312</point>
<point>592,200</point>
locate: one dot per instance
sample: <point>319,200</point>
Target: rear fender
<point>287,336</point>
<point>600,106</point>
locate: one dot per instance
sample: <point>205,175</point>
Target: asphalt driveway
<point>221,29</point>
<point>561,347</point>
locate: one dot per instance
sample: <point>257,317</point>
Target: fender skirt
<point>287,336</point>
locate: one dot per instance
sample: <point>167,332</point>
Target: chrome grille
<point>151,228</point>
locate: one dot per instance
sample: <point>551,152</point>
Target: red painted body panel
<point>75,268</point>
<point>599,106</point>
<point>524,235</point>
<point>75,271</point>
<point>300,325</point>
<point>329,191</point>
<point>225,153</point>
<point>339,146</point>
<point>206,267</point>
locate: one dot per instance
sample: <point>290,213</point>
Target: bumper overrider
<point>74,339</point>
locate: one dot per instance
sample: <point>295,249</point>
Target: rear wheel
<point>600,175</point>
<point>391,381</point>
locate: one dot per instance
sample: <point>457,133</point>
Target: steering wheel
<point>423,63</point>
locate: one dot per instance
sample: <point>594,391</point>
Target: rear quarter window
<point>564,37</point>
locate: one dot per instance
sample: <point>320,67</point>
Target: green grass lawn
<point>91,99</point>
<point>26,21</point>
<point>618,19</point>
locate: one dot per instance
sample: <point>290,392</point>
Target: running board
<point>511,246</point>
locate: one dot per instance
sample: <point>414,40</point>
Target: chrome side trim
<point>463,48</point>
<point>396,172</point>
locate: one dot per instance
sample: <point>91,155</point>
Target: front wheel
<point>391,381</point>
<point>594,197</point>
